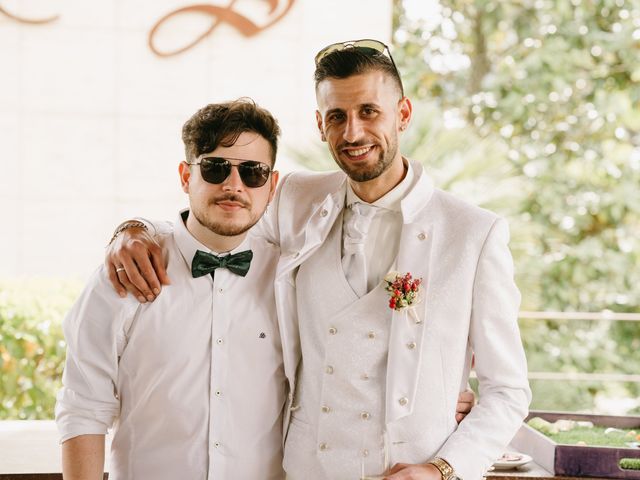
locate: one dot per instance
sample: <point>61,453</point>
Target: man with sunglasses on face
<point>375,388</point>
<point>193,382</point>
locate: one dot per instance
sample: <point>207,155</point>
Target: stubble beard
<point>225,228</point>
<point>385,159</point>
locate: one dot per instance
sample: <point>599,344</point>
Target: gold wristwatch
<point>444,468</point>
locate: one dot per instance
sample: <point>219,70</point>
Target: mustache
<point>230,197</point>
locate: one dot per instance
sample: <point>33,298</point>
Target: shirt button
<point>220,290</point>
<point>403,401</point>
<point>365,453</point>
<point>325,409</point>
<point>323,446</point>
<point>218,393</point>
<point>422,236</point>
<point>216,444</point>
<point>333,330</point>
<point>365,415</point>
<point>296,255</point>
<point>371,334</point>
<point>411,345</point>
<point>329,369</point>
<point>364,376</point>
<point>324,212</point>
<point>219,341</point>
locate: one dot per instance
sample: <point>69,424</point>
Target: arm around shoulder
<point>135,261</point>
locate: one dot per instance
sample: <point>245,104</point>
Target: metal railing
<point>583,316</point>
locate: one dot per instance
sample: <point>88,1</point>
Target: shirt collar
<point>391,200</point>
<point>188,244</point>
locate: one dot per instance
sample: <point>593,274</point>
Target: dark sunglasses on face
<point>217,169</point>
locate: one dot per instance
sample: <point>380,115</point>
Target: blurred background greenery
<point>32,345</point>
<point>534,112</point>
<point>530,108</point>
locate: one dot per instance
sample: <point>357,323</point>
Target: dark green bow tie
<point>204,263</point>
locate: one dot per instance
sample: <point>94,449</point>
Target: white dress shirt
<point>193,382</point>
<point>383,238</point>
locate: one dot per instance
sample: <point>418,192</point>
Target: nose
<point>352,129</point>
<point>233,183</point>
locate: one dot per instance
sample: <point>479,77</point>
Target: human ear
<point>320,126</point>
<point>184,169</point>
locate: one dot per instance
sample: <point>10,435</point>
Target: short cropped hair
<point>354,61</point>
<point>220,124</point>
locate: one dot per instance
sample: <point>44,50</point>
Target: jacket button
<point>411,345</point>
<point>403,401</point>
<point>371,334</point>
<point>422,236</point>
<point>323,446</point>
<point>329,369</point>
<point>365,415</point>
<point>325,409</point>
<point>324,212</point>
<point>333,330</point>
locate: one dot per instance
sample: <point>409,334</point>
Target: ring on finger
<point>119,269</point>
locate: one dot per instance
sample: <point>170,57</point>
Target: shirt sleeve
<point>500,363</point>
<point>94,332</point>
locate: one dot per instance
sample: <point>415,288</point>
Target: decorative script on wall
<point>32,21</point>
<point>218,15</point>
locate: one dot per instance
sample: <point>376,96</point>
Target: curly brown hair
<point>220,124</point>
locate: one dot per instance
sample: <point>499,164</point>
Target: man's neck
<point>372,190</point>
<point>213,241</point>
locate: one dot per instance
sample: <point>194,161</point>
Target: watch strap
<point>445,469</point>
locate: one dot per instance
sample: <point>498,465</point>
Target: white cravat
<point>383,238</point>
<point>354,262</point>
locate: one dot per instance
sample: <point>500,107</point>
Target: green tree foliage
<point>550,94</point>
<point>32,346</point>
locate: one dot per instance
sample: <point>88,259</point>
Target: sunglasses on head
<point>217,169</point>
<point>367,46</point>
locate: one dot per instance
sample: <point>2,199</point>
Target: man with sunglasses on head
<point>375,388</point>
<point>193,382</point>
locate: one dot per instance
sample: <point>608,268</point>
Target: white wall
<point>90,118</point>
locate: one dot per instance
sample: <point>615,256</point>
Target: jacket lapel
<point>407,328</point>
<point>315,231</point>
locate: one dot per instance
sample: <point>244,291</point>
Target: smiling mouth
<point>357,153</point>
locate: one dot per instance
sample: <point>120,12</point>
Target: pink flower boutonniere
<point>404,291</point>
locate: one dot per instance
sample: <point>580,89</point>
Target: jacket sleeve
<point>269,226</point>
<point>157,227</point>
<point>88,401</point>
<point>500,363</point>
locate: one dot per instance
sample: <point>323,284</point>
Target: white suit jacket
<point>470,306</point>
